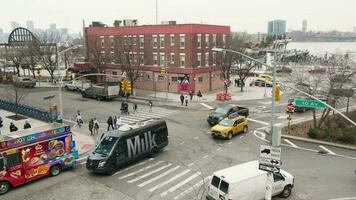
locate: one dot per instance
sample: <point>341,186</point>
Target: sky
<point>242,15</point>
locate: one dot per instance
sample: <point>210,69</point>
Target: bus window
<point>121,150</point>
<point>105,146</point>
<point>13,159</point>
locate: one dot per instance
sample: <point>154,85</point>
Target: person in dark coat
<point>186,100</point>
<point>13,128</point>
<point>191,94</point>
<point>26,125</point>
<point>91,126</point>
<point>1,123</point>
<point>181,99</point>
<point>199,94</point>
<point>110,123</point>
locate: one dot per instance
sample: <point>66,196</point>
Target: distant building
<point>53,26</point>
<point>2,38</point>
<point>30,26</point>
<point>354,29</point>
<point>304,26</point>
<point>64,31</point>
<point>14,25</point>
<point>276,27</point>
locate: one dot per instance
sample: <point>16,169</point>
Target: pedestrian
<point>13,128</point>
<point>186,100</point>
<point>126,108</point>
<point>78,120</point>
<point>110,123</point>
<point>238,82</point>
<point>150,106</point>
<point>199,94</point>
<point>235,82</point>
<point>122,107</point>
<point>118,122</point>
<point>181,99</point>
<point>26,125</point>
<point>135,107</point>
<point>115,122</point>
<point>191,95</point>
<point>1,122</point>
<point>96,126</point>
<point>102,135</point>
<point>91,126</point>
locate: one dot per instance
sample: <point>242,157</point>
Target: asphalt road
<point>182,168</point>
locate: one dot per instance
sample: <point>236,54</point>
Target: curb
<point>319,142</point>
<point>86,150</point>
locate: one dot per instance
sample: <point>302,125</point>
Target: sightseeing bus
<point>34,153</point>
<point>130,143</point>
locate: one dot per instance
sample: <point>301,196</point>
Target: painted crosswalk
<point>164,179</point>
<point>143,115</point>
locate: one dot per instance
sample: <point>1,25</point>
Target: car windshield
<point>105,145</point>
<point>222,110</point>
<point>226,122</point>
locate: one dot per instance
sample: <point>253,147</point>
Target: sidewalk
<point>84,142</point>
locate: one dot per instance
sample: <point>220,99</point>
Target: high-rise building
<point>2,39</point>
<point>276,27</point>
<point>304,25</point>
<point>354,29</point>
<point>30,26</point>
<point>14,25</point>
<point>53,26</point>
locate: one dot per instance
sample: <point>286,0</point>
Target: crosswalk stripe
<point>133,166</point>
<point>152,114</point>
<point>140,170</point>
<point>291,143</point>
<point>169,180</point>
<point>82,158</point>
<point>327,150</point>
<point>159,176</point>
<point>172,189</point>
<point>189,190</point>
<point>149,173</point>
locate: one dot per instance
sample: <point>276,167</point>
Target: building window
<point>134,39</point>
<point>199,41</point>
<point>135,57</point>
<point>172,40</point>
<point>112,42</point>
<point>182,60</point>
<point>162,60</point>
<point>142,41</point>
<point>214,58</point>
<point>214,40</point>
<point>155,59</point>
<point>173,58</point>
<point>199,59</point>
<point>102,41</point>
<point>154,41</point>
<point>174,79</point>
<point>200,79</point>
<point>129,39</point>
<point>161,41</point>
<point>130,57</point>
<point>224,40</point>
<point>112,57</point>
<point>160,78</point>
<point>207,40</point>
<point>114,73</point>
<point>142,58</point>
<point>207,59</point>
<point>182,41</point>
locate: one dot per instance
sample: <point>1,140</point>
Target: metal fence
<point>26,110</point>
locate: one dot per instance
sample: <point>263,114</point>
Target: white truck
<point>247,182</point>
<point>105,91</point>
<point>78,86</point>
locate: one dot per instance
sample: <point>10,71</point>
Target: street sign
<point>268,168</point>
<point>309,103</point>
<point>270,161</point>
<point>269,152</point>
<point>290,108</point>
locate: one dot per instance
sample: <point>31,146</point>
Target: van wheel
<point>4,187</point>
<point>111,169</point>
<point>245,129</point>
<point>229,136</point>
<point>286,191</point>
<point>55,170</point>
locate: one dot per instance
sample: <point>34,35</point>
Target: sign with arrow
<point>270,161</point>
<point>270,152</point>
<point>268,168</point>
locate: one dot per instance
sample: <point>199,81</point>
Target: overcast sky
<point>242,15</point>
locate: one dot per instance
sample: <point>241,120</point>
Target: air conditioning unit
<point>117,23</point>
<point>130,22</point>
<point>169,22</point>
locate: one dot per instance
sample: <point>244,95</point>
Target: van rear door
<point>218,188</point>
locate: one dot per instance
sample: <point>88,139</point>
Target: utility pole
<point>156,11</point>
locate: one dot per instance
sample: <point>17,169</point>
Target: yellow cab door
<point>240,125</point>
<point>235,127</point>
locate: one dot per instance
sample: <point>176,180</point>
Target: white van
<point>247,182</point>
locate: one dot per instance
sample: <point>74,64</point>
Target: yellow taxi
<point>229,127</point>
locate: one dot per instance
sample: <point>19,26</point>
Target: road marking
<point>174,188</point>
<point>195,138</point>
<point>265,103</point>
<point>82,163</point>
<point>166,149</point>
<point>291,143</point>
<point>189,190</point>
<point>190,164</point>
<point>140,170</point>
<point>282,117</point>
<point>229,143</point>
<point>133,166</point>
<point>241,137</point>
<point>149,173</point>
<point>218,149</point>
<point>206,156</point>
<point>327,150</point>
<point>258,121</point>
<point>181,143</point>
<point>207,106</point>
<point>82,158</point>
<point>345,198</point>
<point>158,177</point>
<point>169,180</point>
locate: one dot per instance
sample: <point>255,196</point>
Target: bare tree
<point>97,55</point>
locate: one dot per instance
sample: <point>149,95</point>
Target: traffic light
<point>123,85</point>
<point>163,70</point>
<point>128,86</point>
<point>277,94</point>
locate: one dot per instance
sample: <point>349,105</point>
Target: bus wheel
<point>4,187</point>
<point>110,170</point>
<point>55,170</point>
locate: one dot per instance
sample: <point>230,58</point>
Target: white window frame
<point>206,59</point>
<point>199,41</point>
<point>214,58</point>
<point>224,40</point>
<point>112,41</point>
<point>173,40</point>
<point>214,40</point>
<point>154,41</point>
<point>102,41</point>
<point>155,55</point>
<point>161,40</point>
<point>112,57</point>
<point>173,58</point>
<point>207,40</point>
<point>181,42</point>
<point>135,58</point>
<point>142,41</point>
<point>180,60</point>
<point>199,60</point>
<point>162,62</point>
<point>141,56</point>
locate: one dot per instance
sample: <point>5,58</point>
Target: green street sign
<point>309,103</point>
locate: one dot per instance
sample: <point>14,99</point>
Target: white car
<point>76,86</point>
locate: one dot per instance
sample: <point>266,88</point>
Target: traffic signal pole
<point>275,136</point>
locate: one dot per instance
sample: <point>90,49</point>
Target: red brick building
<point>184,48</point>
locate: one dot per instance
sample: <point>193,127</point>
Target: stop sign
<point>290,107</point>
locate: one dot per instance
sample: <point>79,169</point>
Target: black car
<point>222,112</point>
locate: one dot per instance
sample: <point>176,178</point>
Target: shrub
<point>312,133</point>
